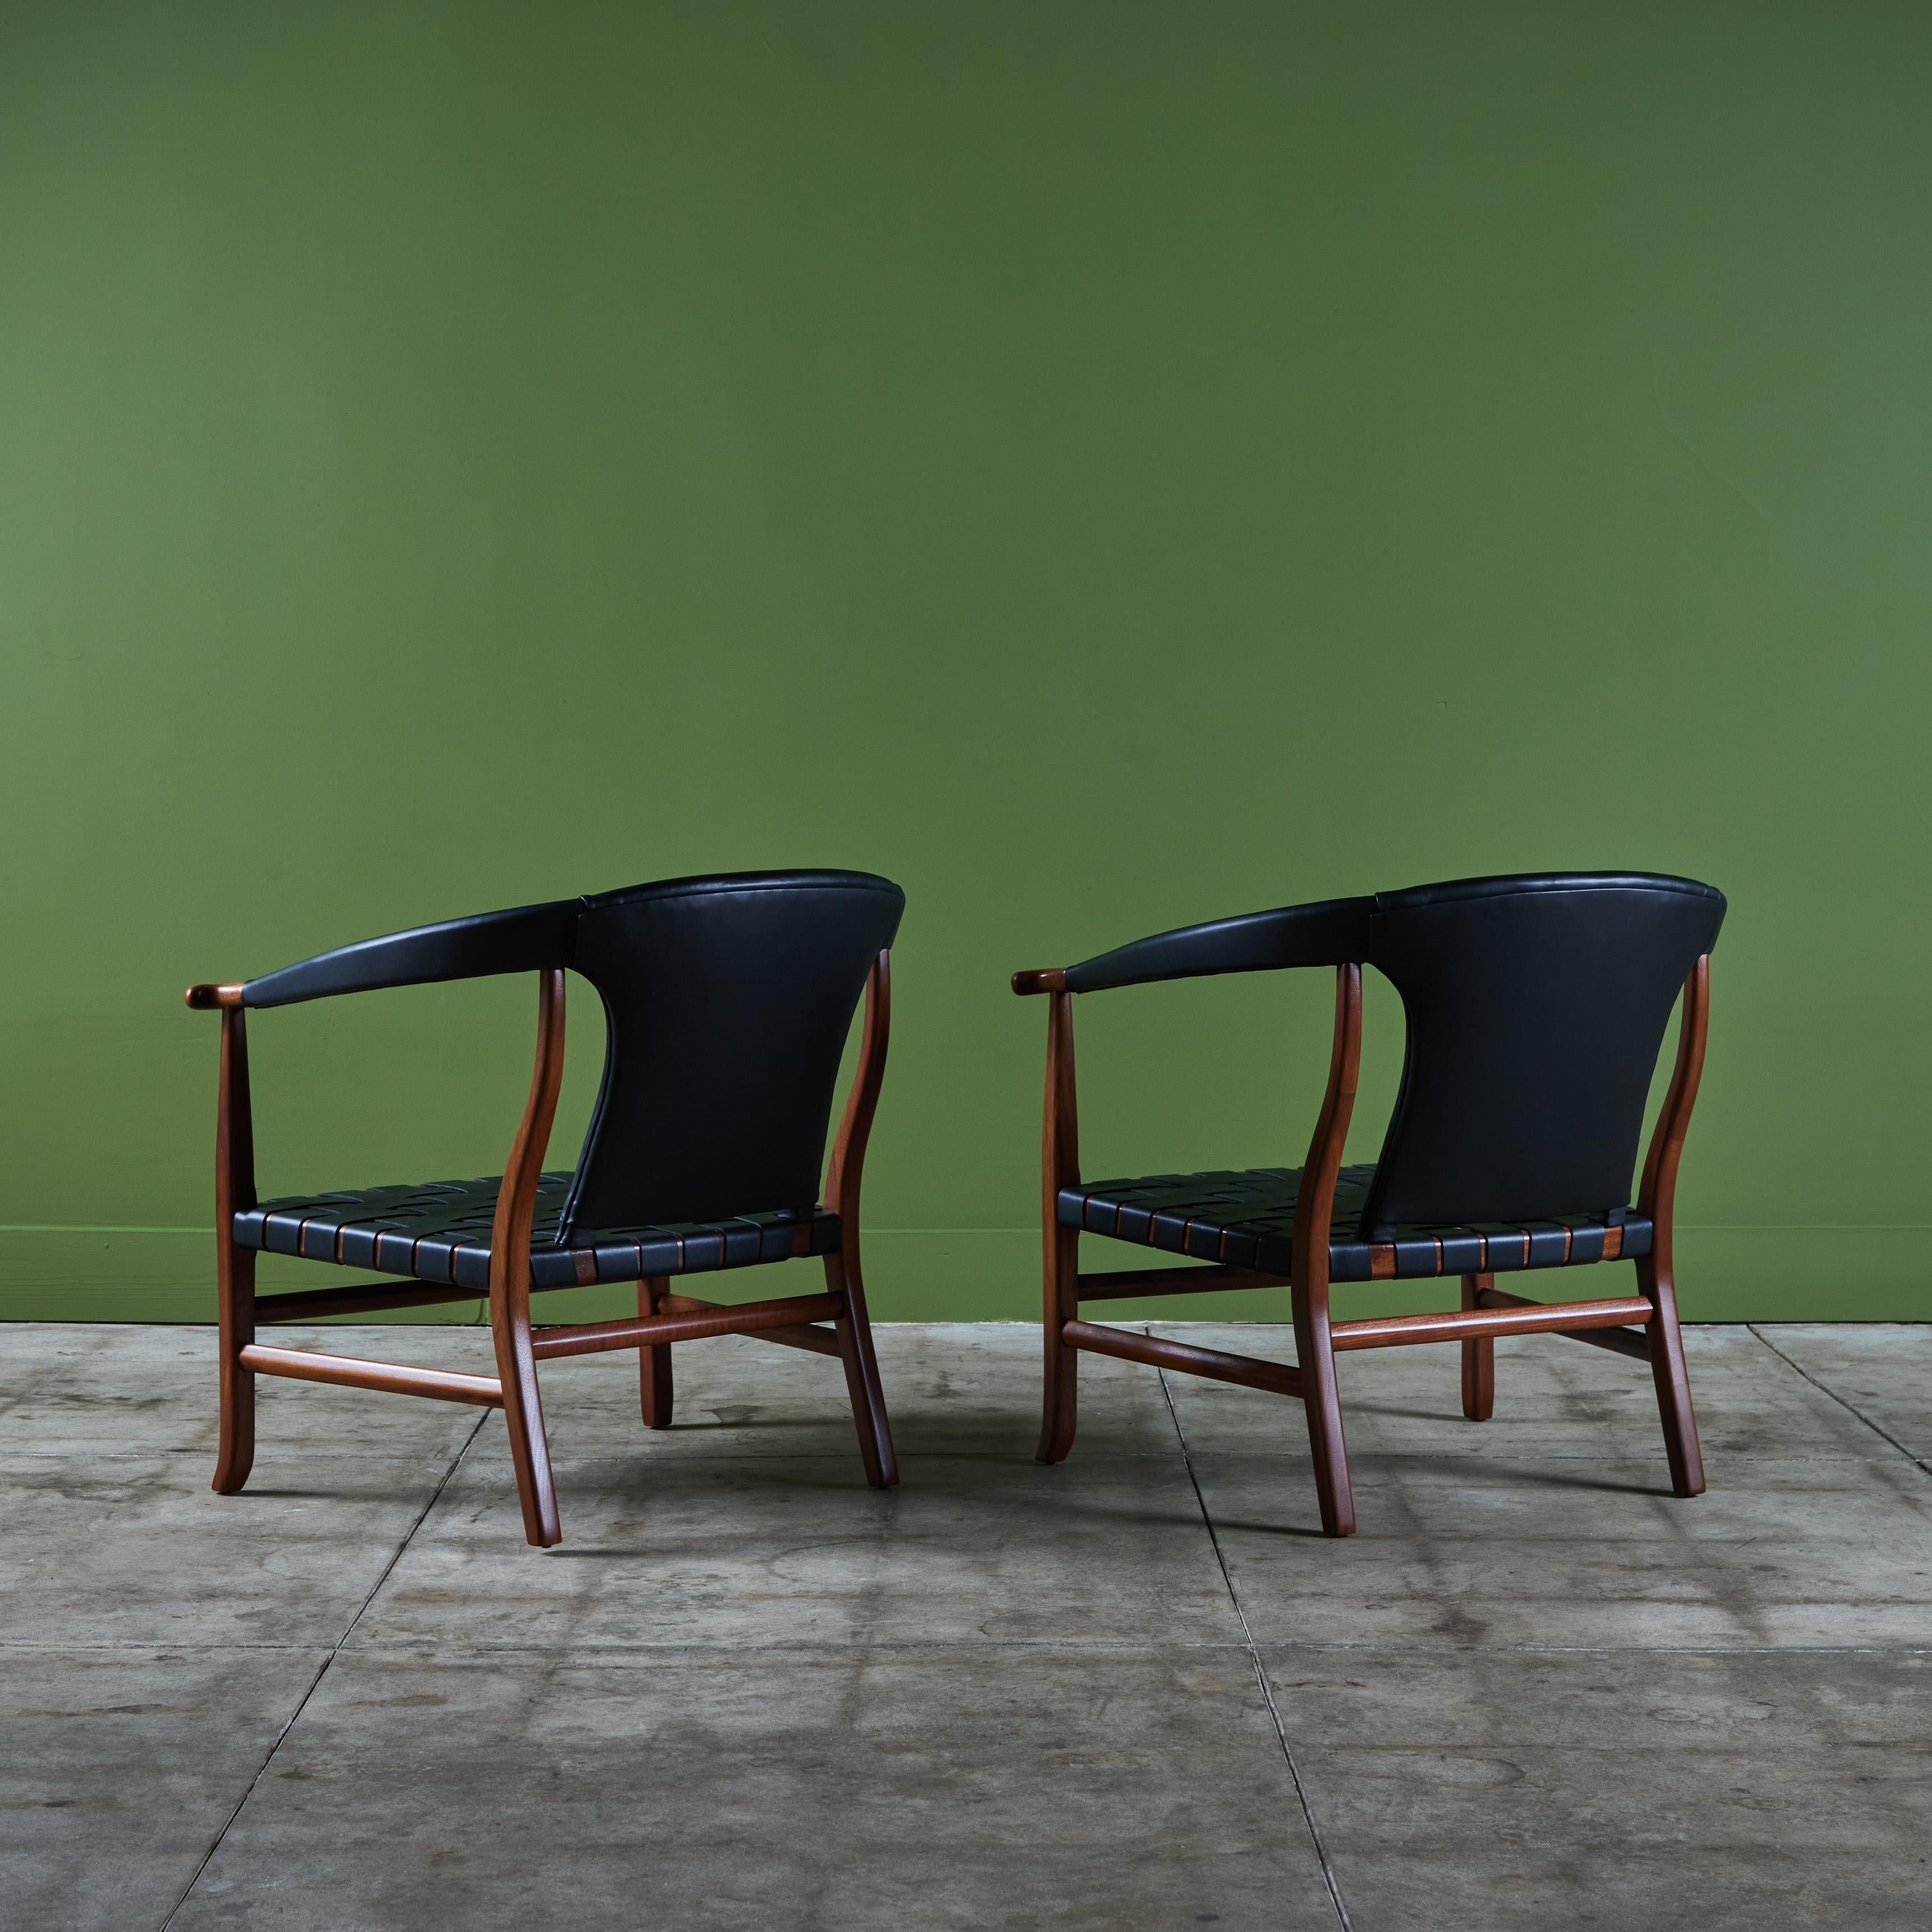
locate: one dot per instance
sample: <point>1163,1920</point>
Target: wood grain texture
<point>1655,1271</point>
<point>208,999</point>
<point>1479,1356</point>
<point>813,1341</point>
<point>1314,1213</point>
<point>234,1264</point>
<point>1158,1351</point>
<point>1393,1331</point>
<point>1634,1342</point>
<point>1060,1167</point>
<point>844,1279</point>
<point>1041,979</point>
<point>590,1338</point>
<point>656,1385</point>
<point>510,1273</point>
<point>390,1378</point>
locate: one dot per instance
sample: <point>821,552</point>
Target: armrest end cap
<point>1042,979</point>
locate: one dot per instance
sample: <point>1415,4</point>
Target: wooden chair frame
<point>1644,1326</point>
<point>663,1318</point>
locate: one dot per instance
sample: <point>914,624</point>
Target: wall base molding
<point>992,1274</point>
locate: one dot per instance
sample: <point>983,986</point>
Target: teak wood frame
<point>1643,1326</point>
<point>663,1317</point>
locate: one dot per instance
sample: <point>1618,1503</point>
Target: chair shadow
<point>1219,1523</point>
<point>748,1422</point>
<point>1486,1476</point>
<point>348,1493</point>
<point>1555,1479</point>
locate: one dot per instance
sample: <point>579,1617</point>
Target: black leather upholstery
<point>440,1232</point>
<point>1536,1008</point>
<point>1247,1219</point>
<point>1536,1005</point>
<point>727,1002</point>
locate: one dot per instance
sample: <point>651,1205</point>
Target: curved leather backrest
<point>728,1002</point>
<point>1536,1007</point>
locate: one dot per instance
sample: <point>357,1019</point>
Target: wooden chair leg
<point>235,1292</point>
<point>1672,1380</point>
<point>654,1373</point>
<point>1060,1413</point>
<point>1315,1354</point>
<point>862,1386</point>
<point>522,1414</point>
<point>1479,1356</point>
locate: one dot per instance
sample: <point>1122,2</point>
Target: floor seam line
<point>315,1682</point>
<point>1917,1462</point>
<point>1254,1658</point>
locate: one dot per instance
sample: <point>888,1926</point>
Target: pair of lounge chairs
<point>1536,1008</point>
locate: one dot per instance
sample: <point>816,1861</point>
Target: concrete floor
<point>1134,1691</point>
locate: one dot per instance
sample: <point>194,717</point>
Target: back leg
<point>1315,1354</point>
<point>522,1414</point>
<point>1479,1356</point>
<point>1673,1381</point>
<point>654,1361</point>
<point>862,1373</point>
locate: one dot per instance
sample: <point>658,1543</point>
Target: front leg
<point>235,1276</point>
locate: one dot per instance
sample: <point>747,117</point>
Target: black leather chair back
<point>728,1002</point>
<point>1536,1008</point>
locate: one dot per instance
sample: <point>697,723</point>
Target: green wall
<point>1102,465</point>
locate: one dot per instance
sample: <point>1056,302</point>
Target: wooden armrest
<point>1042,979</point>
<point>206,999</point>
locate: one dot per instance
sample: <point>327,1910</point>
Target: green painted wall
<point>1102,465</point>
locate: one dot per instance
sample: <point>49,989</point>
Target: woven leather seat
<point>1245,1218</point>
<point>440,1231</point>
